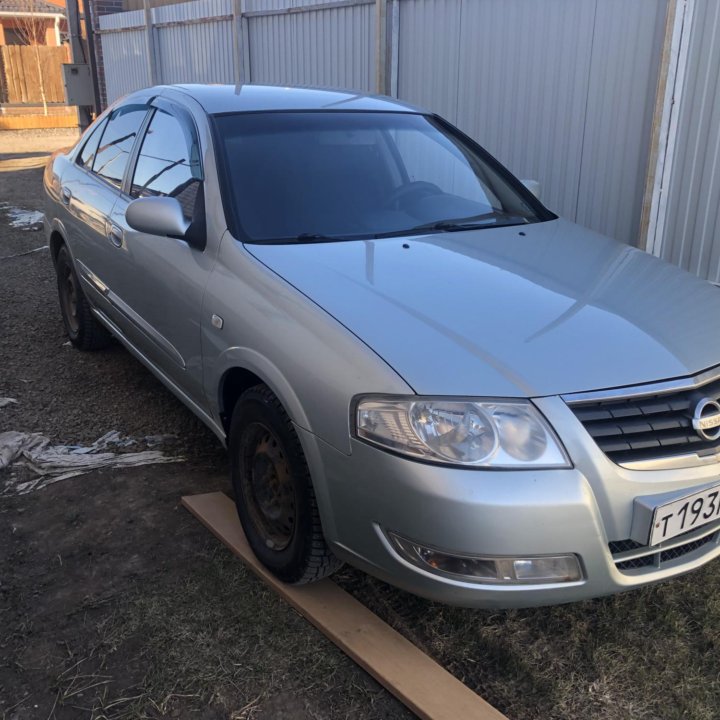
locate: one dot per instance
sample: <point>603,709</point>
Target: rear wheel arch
<point>57,240</point>
<point>82,327</point>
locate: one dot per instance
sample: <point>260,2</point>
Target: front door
<point>162,280</point>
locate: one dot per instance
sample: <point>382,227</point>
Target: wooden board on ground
<point>418,681</point>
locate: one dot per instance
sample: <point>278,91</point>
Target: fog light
<point>496,570</point>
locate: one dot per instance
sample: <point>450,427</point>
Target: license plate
<point>679,516</point>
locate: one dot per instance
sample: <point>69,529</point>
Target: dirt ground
<point>116,603</point>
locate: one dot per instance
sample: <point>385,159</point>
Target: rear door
<point>89,191</point>
<point>161,280</point>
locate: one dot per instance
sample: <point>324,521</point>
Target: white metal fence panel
<point>621,98</point>
<point>332,47</point>
<point>256,5</point>
<point>428,43</point>
<point>198,46</point>
<point>561,91</point>
<point>124,53</point>
<point>692,226</point>
<point>296,42</point>
<point>523,88</point>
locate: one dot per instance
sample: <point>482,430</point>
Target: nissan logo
<point>706,419</point>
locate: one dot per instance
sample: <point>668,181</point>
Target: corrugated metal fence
<point>691,233</point>
<point>559,90</point>
<point>325,42</point>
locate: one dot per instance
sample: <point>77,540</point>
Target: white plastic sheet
<point>52,463</point>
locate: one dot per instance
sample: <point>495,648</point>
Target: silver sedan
<point>417,367</point>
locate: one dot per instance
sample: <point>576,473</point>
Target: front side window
<point>168,163</point>
<point>294,176</point>
<point>117,142</point>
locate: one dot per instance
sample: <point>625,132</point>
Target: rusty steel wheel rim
<point>69,296</point>
<point>268,490</point>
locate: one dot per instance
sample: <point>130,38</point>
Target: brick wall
<point>97,8</point>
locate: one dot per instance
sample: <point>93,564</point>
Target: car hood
<point>541,309</point>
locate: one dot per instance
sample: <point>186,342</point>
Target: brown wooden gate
<point>22,79</point>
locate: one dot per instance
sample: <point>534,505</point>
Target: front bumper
<point>496,513</point>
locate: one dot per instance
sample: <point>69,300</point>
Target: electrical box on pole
<point>77,81</point>
<point>79,60</point>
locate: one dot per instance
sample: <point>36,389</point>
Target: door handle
<point>65,194</point>
<point>115,235</point>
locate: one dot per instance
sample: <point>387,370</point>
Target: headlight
<point>507,434</point>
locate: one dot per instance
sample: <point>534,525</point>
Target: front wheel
<point>274,492</point>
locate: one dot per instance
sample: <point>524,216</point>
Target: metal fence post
<point>673,71</point>
<point>241,43</point>
<point>394,47</point>
<point>150,44</point>
<point>381,53</point>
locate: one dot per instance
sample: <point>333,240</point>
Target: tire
<point>274,492</point>
<point>84,331</point>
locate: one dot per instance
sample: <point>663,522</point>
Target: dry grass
<point>223,640</point>
<point>219,640</point>
<point>646,654</point>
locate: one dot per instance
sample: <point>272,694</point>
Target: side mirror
<point>157,216</point>
<point>533,186</point>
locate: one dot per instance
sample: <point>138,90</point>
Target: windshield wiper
<point>455,225</point>
<point>471,223</point>
<point>302,238</point>
<point>316,237</point>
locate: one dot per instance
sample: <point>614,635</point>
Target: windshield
<point>331,176</point>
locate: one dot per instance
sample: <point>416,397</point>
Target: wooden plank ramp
<point>425,687</point>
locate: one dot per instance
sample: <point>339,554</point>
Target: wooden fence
<point>21,81</point>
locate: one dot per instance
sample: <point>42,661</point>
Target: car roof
<point>217,99</point>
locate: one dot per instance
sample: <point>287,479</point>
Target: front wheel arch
<point>239,368</point>
<point>305,557</point>
<point>244,368</point>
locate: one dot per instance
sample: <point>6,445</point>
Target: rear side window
<point>168,163</point>
<point>117,141</point>
<point>87,154</point>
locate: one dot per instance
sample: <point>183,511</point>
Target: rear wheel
<point>274,492</point>
<point>84,331</point>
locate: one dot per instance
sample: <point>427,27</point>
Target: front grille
<point>633,429</point>
<point>643,556</point>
